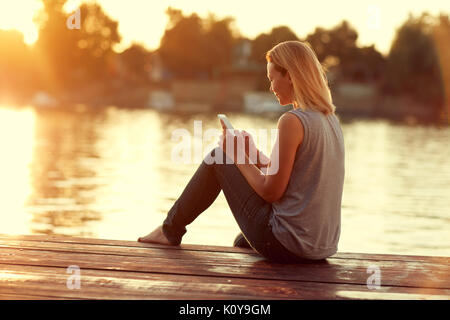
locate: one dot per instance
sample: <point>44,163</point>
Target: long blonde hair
<point>308,76</point>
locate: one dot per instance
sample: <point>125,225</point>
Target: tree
<point>337,47</point>
<point>441,37</point>
<point>16,65</point>
<point>220,39</point>
<point>192,46</point>
<point>73,57</point>
<point>96,41</point>
<point>136,62</point>
<point>413,62</point>
<point>266,41</point>
<point>368,65</point>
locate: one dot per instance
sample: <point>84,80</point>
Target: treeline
<point>64,61</point>
<point>61,60</point>
<point>418,63</point>
<point>192,47</point>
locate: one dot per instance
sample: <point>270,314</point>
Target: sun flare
<point>18,14</point>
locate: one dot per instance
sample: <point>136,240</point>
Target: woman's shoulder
<point>291,127</point>
<point>301,118</point>
<point>290,119</point>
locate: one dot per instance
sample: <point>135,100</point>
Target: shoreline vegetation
<point>206,65</point>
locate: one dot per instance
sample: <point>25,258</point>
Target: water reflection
<point>62,174</point>
<point>397,184</point>
<point>109,174</point>
<point>16,145</point>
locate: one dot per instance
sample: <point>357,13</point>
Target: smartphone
<point>226,122</point>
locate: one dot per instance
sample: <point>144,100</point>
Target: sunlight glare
<point>19,15</point>
<point>16,145</point>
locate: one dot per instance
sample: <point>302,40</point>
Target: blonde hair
<point>308,76</point>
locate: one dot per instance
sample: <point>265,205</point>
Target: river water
<point>114,174</point>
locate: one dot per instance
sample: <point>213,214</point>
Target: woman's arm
<point>272,185</point>
<point>263,160</point>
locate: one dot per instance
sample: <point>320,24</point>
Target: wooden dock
<point>45,267</point>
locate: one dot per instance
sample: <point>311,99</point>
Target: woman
<point>290,213</point>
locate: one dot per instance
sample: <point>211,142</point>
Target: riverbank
<point>189,96</point>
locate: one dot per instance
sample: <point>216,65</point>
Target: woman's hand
<point>250,147</point>
<point>246,144</point>
<point>233,144</point>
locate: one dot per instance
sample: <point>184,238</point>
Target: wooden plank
<point>126,245</point>
<point>13,296</point>
<point>35,267</point>
<point>123,243</point>
<point>95,284</point>
<point>153,255</point>
<point>105,249</point>
<point>189,247</point>
<point>143,252</point>
<point>233,265</point>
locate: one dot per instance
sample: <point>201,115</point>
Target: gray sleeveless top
<point>307,218</point>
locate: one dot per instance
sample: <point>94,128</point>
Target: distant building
<point>158,72</point>
<point>226,91</point>
<point>242,52</point>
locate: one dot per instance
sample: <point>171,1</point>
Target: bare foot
<point>156,236</point>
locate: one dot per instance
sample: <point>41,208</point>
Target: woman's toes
<point>157,236</point>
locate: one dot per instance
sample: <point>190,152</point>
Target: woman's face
<point>280,85</point>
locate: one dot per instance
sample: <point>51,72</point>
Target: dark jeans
<point>252,213</point>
